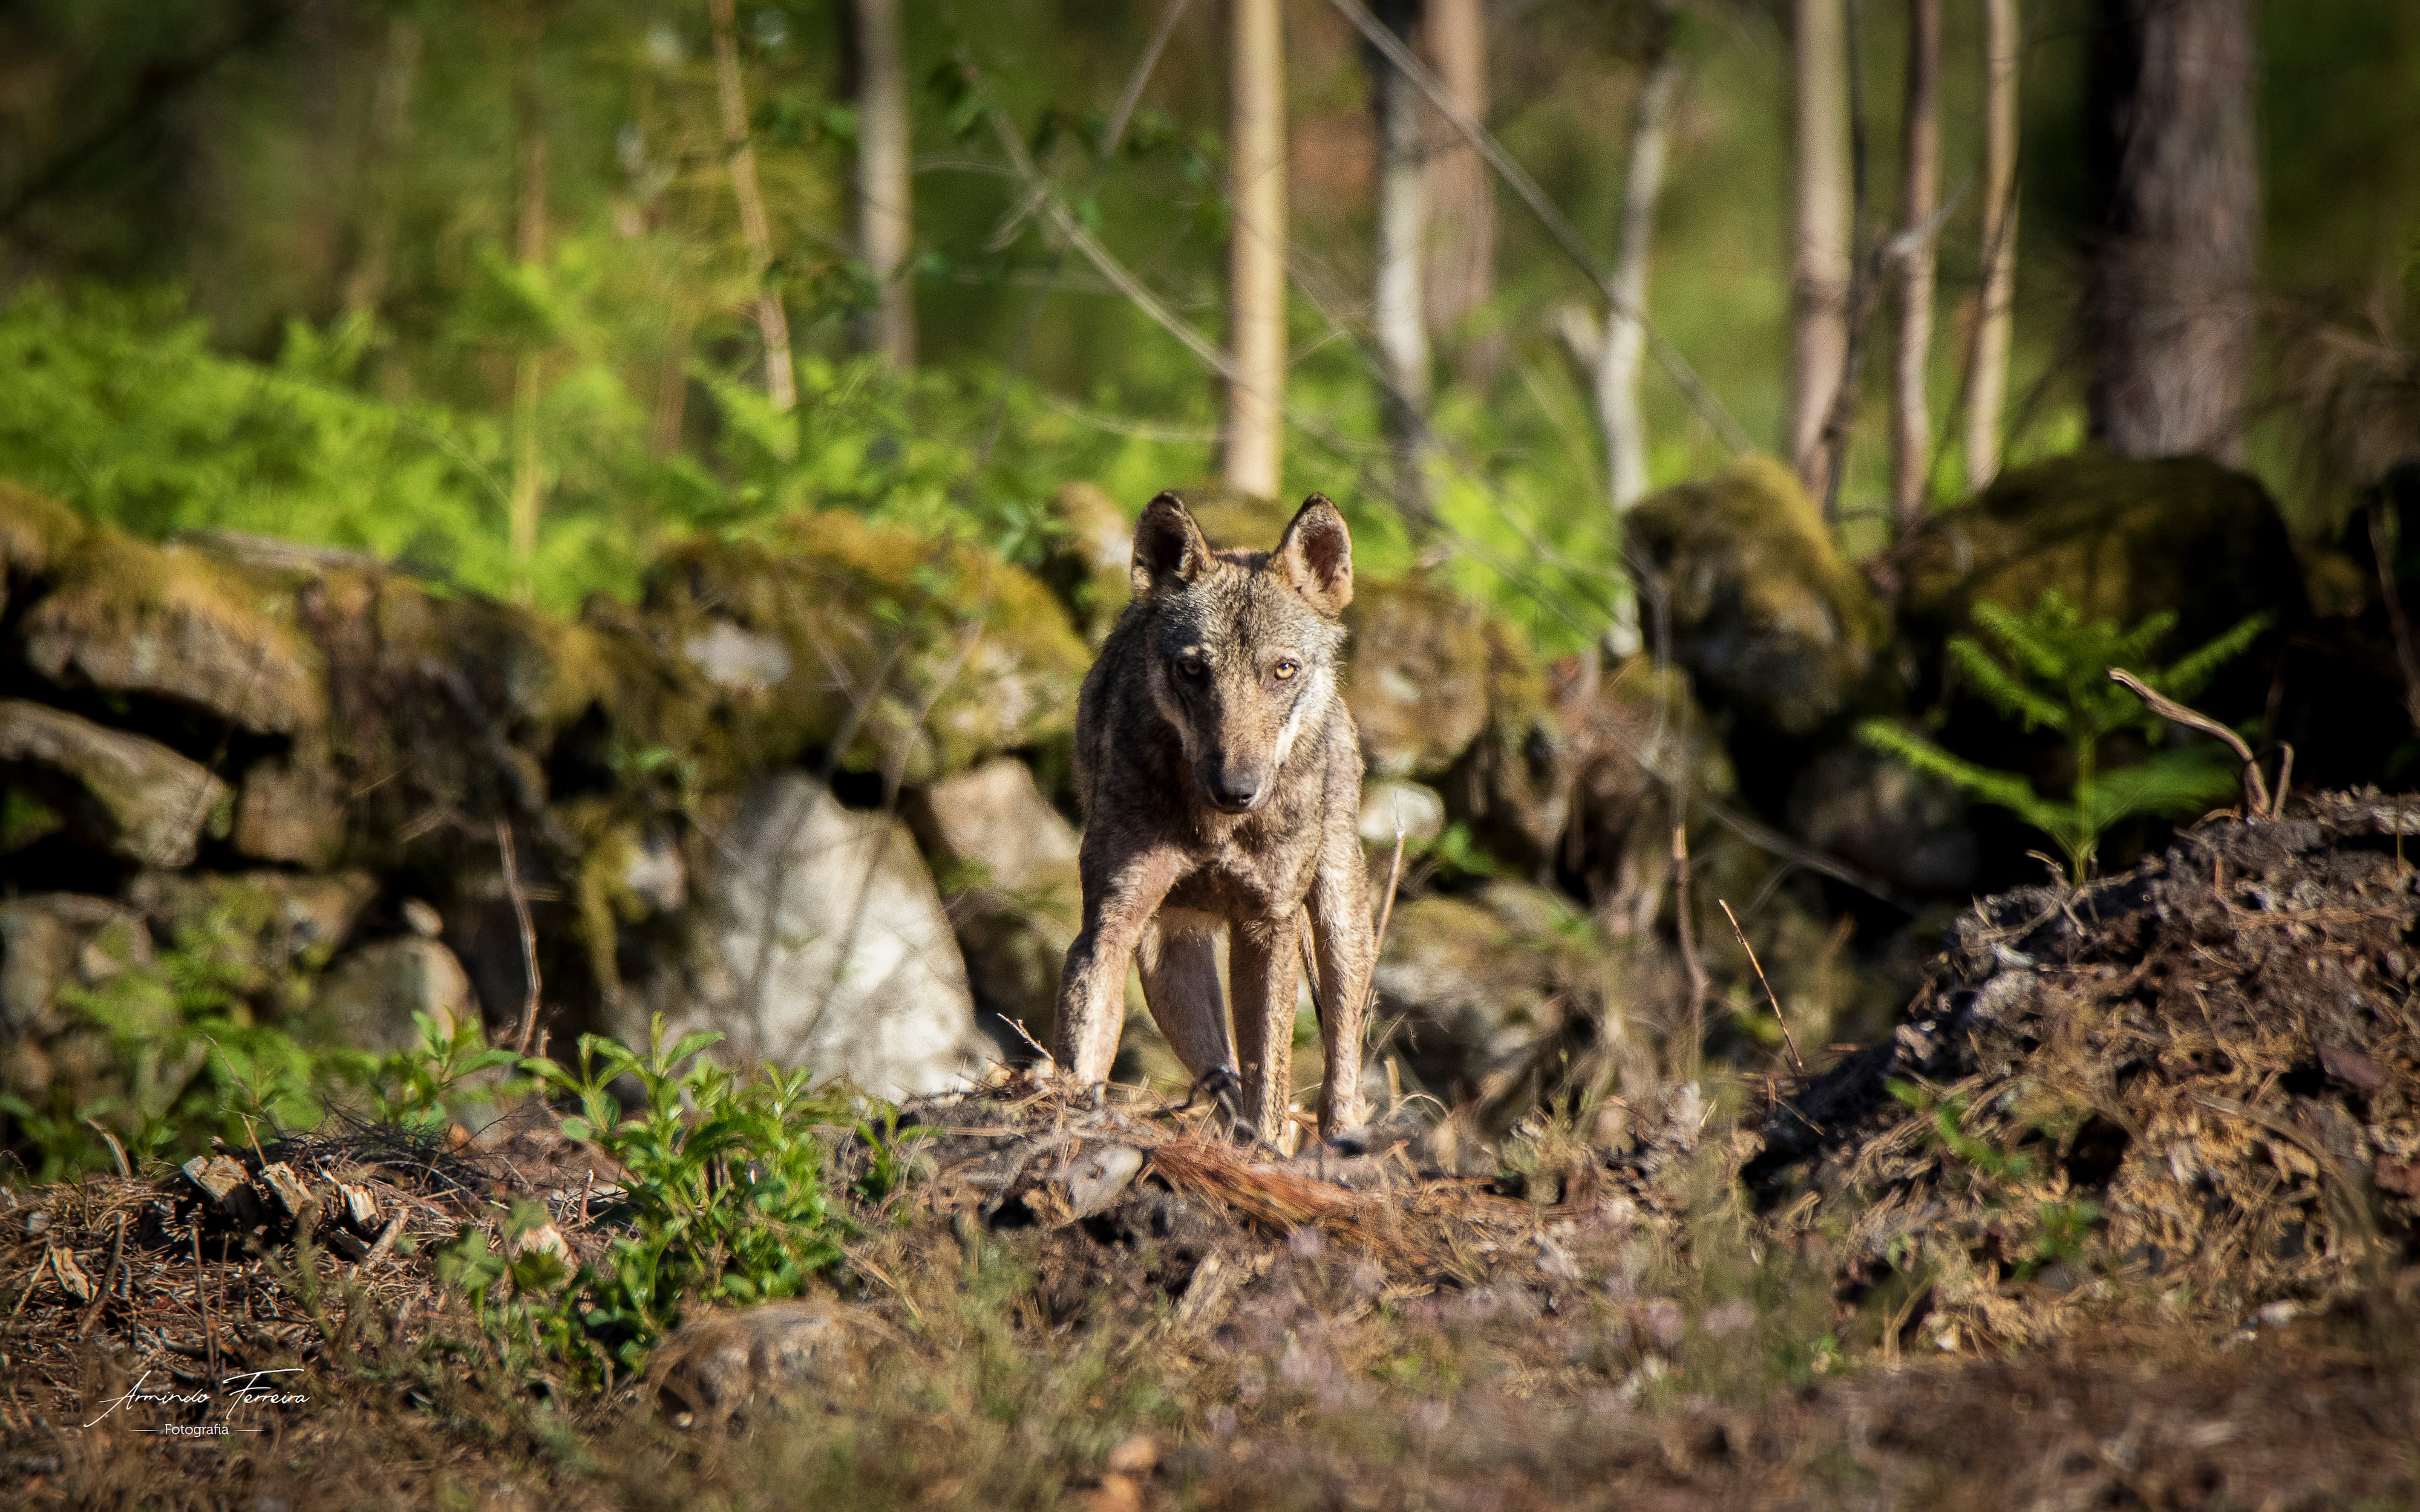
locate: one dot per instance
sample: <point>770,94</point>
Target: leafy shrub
<point>2053,673</point>
<point>728,1199</point>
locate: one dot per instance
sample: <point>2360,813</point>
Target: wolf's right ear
<point>1169,548</point>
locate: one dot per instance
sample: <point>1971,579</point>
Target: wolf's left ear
<point>1316,555</point>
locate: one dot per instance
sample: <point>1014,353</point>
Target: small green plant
<point>2058,1230</point>
<point>728,1198</point>
<point>2053,673</point>
<point>418,1087</point>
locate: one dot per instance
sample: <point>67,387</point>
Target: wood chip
<point>70,1275</point>
<point>292,1193</point>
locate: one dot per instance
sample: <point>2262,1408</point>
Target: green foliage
<point>2055,1230</point>
<point>2051,672</point>
<point>420,1087</point>
<point>728,1198</point>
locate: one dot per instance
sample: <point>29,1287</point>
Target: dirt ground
<point>2118,1218</point>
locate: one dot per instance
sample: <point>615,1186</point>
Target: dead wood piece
<point>292,1193</point>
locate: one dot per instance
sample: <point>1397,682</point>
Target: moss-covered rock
<point>912,656</point>
<point>176,623</point>
<point>1774,626</point>
<point>1421,661</point>
<point>2121,539</point>
<point>131,796</point>
<point>51,940</point>
<point>291,811</point>
<point>1637,741</point>
<point>1480,995</point>
<point>1091,566</point>
<point>35,532</point>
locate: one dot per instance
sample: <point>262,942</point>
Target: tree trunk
<point>1461,193</point>
<point>1920,156</point>
<point>1401,326</point>
<point>1819,275</point>
<point>390,142</point>
<point>529,245</point>
<point>885,203</point>
<point>2168,304</point>
<point>1256,250</point>
<point>1626,322</point>
<point>1987,368</point>
<point>772,320</point>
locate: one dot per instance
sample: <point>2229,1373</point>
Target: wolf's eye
<point>1192,666</point>
<point>1287,669</point>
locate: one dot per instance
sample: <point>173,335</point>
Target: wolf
<point>1220,777</point>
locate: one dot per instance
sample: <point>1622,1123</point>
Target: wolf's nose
<point>1234,789</point>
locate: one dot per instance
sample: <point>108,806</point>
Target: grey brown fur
<point>1221,782</point>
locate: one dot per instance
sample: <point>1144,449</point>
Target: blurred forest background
<point>490,288</point>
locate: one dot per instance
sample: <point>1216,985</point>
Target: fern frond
<point>2174,782</point>
<point>2003,687</point>
<point>2003,789</point>
<point>2031,640</point>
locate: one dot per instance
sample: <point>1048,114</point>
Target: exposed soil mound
<point>2193,1087</point>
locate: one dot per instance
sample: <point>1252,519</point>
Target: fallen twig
<point>1779,1017</point>
<point>2258,801</point>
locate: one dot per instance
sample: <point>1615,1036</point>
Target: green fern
<point>2051,671</point>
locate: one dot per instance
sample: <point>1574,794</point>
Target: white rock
<point>1389,807</point>
<point>827,949</point>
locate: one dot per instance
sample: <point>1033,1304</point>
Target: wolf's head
<point>1241,647</point>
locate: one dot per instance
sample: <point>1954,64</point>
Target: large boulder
<point>132,798</point>
<point>822,944</point>
<point>291,811</point>
<point>175,624</point>
<point>916,657</point>
<point>1480,996</point>
<point>366,1000</point>
<point>1420,657</point>
<point>1775,629</point>
<point>1006,864</point>
<point>2121,539</point>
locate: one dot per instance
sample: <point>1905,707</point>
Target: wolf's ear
<point>1168,546</point>
<point>1316,555</point>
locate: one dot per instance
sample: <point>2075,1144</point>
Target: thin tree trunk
<point>1987,368</point>
<point>1401,326</point>
<point>529,245</point>
<point>1257,271</point>
<point>1920,155</point>
<point>1461,272</point>
<point>2169,307</point>
<point>1625,324</point>
<point>885,203</point>
<point>389,142</point>
<point>772,320</point>
<point>1820,272</point>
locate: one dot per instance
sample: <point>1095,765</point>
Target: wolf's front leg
<point>1263,957</point>
<point>1121,892</point>
<point>1345,946</point>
